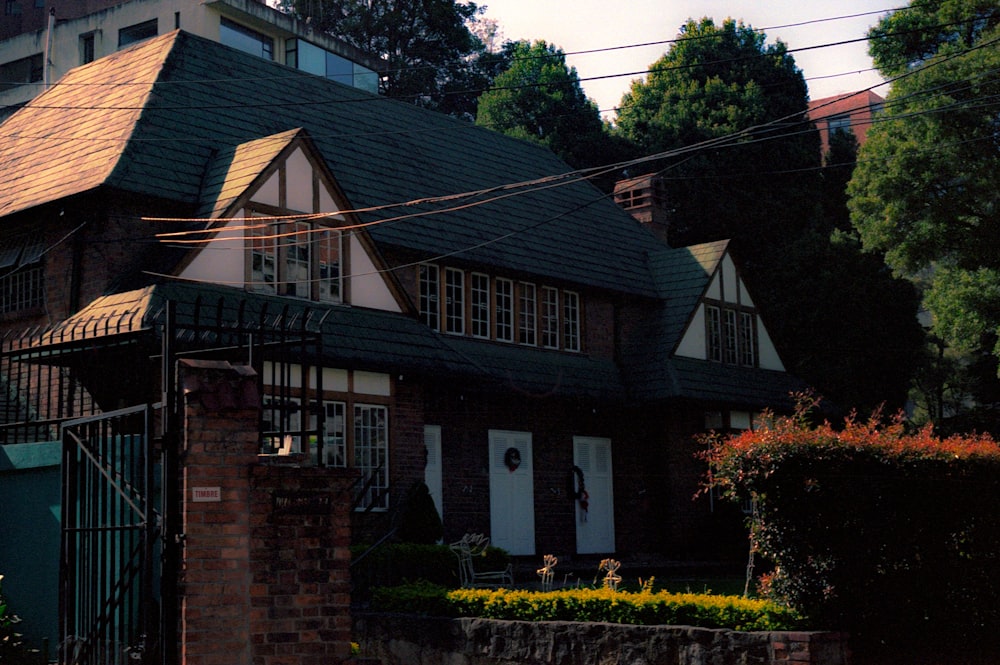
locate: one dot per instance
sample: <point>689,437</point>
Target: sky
<point>585,25</point>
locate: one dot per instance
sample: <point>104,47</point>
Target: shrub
<point>393,564</point>
<point>419,522</point>
<point>872,529</point>
<point>604,605</point>
<point>13,650</point>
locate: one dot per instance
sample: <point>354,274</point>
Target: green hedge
<point>642,608</point>
<point>889,534</point>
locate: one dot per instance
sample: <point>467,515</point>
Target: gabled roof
<point>160,117</point>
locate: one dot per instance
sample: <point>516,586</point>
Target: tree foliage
<point>539,98</point>
<point>926,194</point>
<point>890,534</point>
<point>431,57</point>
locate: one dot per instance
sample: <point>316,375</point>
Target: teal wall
<point>29,537</point>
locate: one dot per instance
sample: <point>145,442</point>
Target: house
<point>40,42</point>
<point>853,113</point>
<point>431,301</point>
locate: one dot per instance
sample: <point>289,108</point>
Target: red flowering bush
<point>871,528</point>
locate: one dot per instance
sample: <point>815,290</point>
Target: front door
<point>512,492</point>
<point>595,512</point>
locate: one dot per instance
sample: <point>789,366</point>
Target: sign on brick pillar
<point>220,445</point>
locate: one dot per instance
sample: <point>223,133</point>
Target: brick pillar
<point>220,438</point>
<point>265,574</point>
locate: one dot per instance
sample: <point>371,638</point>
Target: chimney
<point>645,198</point>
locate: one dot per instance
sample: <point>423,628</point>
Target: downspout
<point>48,46</point>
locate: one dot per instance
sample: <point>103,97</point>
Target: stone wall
<point>409,640</point>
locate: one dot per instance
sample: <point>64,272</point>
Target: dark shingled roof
<point>160,116</point>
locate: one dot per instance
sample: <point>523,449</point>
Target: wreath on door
<point>578,489</point>
<point>512,459</point>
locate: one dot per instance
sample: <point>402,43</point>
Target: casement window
<point>550,317</point>
<point>297,259</point>
<point>527,317</point>
<point>454,301</point>
<point>479,296</point>
<point>730,336</point>
<point>505,309</point>
<point>245,39</point>
<point>87,48</point>
<point>333,435</point>
<point>571,321</point>
<point>137,33</point>
<point>371,455</point>
<point>22,274</point>
<point>281,425</point>
<point>430,287</point>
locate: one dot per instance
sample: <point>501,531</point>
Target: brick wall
<point>264,573</point>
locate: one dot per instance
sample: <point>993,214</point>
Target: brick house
<point>478,317</point>
<point>852,113</point>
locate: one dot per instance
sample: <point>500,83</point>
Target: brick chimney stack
<point>645,198</point>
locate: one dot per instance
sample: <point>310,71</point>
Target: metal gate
<point>110,571</point>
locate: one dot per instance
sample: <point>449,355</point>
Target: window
<point>298,260</point>
<point>333,435</point>
<point>19,72</point>
<point>11,8</point>
<point>86,48</point>
<point>839,123</point>
<point>263,260</point>
<point>137,33</point>
<point>245,39</point>
<point>571,321</point>
<point>329,249</point>
<point>527,316</point>
<point>550,317</point>
<point>454,301</point>
<point>22,274</point>
<point>479,293</point>
<point>730,336</point>
<point>505,309</point>
<point>281,425</point>
<point>429,288</point>
<point>371,455</point>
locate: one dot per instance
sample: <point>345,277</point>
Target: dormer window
<point>297,259</point>
<point>730,336</point>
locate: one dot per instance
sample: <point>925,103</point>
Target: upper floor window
<point>22,275</point>
<point>839,123</point>
<point>730,336</point>
<point>137,33</point>
<point>245,39</point>
<point>19,72</point>
<point>87,51</point>
<point>498,308</point>
<point>297,259</point>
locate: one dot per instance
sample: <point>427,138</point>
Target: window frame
<point>454,301</point>
<point>371,495</point>
<point>138,32</point>
<point>504,308</point>
<point>571,310</point>
<point>731,335</point>
<point>479,305</point>
<point>527,314</point>
<point>429,295</point>
<point>549,325</point>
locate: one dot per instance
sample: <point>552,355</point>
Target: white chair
<point>473,545</point>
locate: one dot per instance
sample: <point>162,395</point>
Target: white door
<point>595,525</point>
<point>512,492</point>
<point>432,470</point>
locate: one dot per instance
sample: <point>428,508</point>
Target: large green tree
<point>430,55</point>
<point>926,194</point>
<point>539,98</point>
<point>744,163</point>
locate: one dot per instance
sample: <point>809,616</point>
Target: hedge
<point>889,534</point>
<point>599,605</point>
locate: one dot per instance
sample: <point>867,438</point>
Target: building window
<point>22,274</point>
<point>454,301</point>
<point>429,299</point>
<point>550,317</point>
<point>371,455</point>
<point>86,48</point>
<point>479,293</point>
<point>11,8</point>
<point>333,435</point>
<point>245,39</point>
<point>839,123</point>
<point>505,309</point>
<point>283,260</point>
<point>571,321</point>
<point>527,322</point>
<point>19,72</point>
<point>281,425</point>
<point>731,336</point>
<point>137,33</point>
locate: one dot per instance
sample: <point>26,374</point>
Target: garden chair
<point>470,546</point>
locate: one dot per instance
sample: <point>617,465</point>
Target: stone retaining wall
<point>409,640</point>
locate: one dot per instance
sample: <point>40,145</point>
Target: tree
<point>725,82</point>
<point>926,193</point>
<point>431,57</point>
<point>539,98</point>
<point>835,314</point>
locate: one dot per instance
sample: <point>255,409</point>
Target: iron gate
<point>110,598</point>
